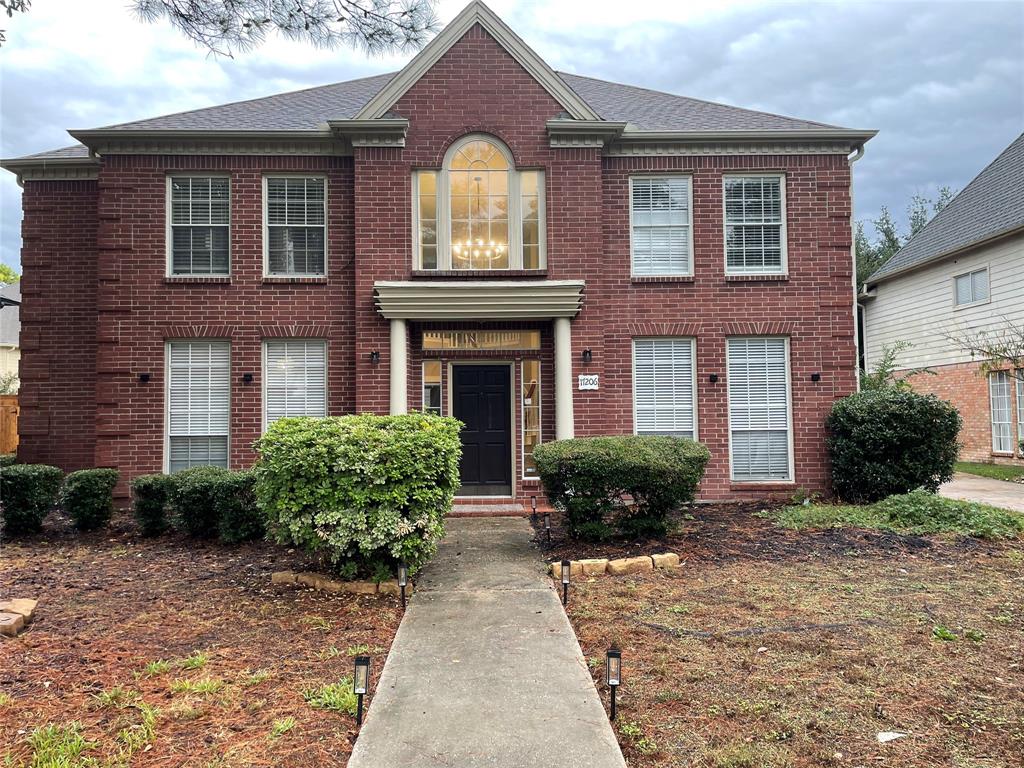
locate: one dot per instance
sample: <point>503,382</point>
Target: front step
<point>504,509</point>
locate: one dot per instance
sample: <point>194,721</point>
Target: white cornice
<point>176,142</point>
<point>477,13</point>
<point>478,299</point>
<point>382,132</point>
<point>582,133</point>
<point>53,169</point>
<point>794,142</point>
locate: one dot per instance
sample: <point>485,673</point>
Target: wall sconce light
<point>403,580</point>
<point>144,378</point>
<point>613,674</point>
<point>360,684</point>
<point>587,355</point>
<point>566,570</point>
<point>815,377</point>
<point>374,357</point>
<point>247,378</point>
<point>713,378</point>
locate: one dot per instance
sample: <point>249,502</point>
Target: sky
<point>943,82</point>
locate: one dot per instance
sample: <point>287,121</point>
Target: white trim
<point>167,393</point>
<point>693,373</point>
<point>266,226</point>
<point>476,13</point>
<point>511,364</point>
<point>488,300</point>
<point>522,413</point>
<point>264,377</point>
<point>423,383</point>
<point>783,231</point>
<point>689,226</point>
<point>169,225</point>
<point>970,273</point>
<point>1005,377</point>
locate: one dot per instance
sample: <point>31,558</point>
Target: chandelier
<point>478,248</point>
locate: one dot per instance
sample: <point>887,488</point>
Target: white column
<point>399,366</point>
<point>563,380</point>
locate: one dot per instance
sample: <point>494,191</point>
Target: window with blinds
<point>664,402</point>
<point>296,225</point>
<point>200,225</point>
<point>1020,410</point>
<point>755,232</point>
<point>759,428</point>
<point>295,378</point>
<point>198,403</point>
<point>999,395</point>
<point>660,216</point>
<point>971,287</point>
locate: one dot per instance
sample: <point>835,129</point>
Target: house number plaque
<point>588,381</point>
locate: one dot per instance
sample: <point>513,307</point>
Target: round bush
<point>238,516</point>
<point>195,497</point>
<point>88,497</point>
<point>27,493</point>
<point>8,459</point>
<point>366,491</point>
<point>594,478</point>
<point>890,441</point>
<point>151,495</point>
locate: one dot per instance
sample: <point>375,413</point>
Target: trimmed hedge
<point>201,501</point>
<point>591,477</point>
<point>88,497</point>
<point>151,495</point>
<point>238,516</point>
<point>195,499</point>
<point>27,493</point>
<point>891,441</point>
<point>365,491</point>
<point>8,459</point>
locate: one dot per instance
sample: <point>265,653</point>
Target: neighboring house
<point>961,275</point>
<point>10,329</point>
<point>542,255</point>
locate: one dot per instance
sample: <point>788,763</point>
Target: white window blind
<point>198,403</point>
<point>999,393</point>
<point>200,225</point>
<point>661,225</point>
<point>295,378</point>
<point>758,409</point>
<point>754,231</point>
<point>663,387</point>
<point>971,287</point>
<point>296,225</point>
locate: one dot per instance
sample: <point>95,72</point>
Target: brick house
<point>960,276</point>
<point>540,254</point>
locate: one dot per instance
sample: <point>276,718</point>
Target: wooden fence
<point>8,423</point>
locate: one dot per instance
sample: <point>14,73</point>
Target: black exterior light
<point>713,378</point>
<point>247,378</point>
<point>587,355</point>
<point>533,504</point>
<point>613,674</point>
<point>374,357</point>
<point>361,684</point>
<point>144,378</point>
<point>547,525</point>
<point>815,377</point>
<point>403,580</point>
<point>566,570</point>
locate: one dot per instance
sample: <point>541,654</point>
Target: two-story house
<point>540,254</point>
<point>961,279</point>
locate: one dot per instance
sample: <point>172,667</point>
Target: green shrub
<point>194,499</point>
<point>151,495</point>
<point>238,516</point>
<point>27,493</point>
<point>88,497</point>
<point>8,459</point>
<point>366,491</point>
<point>591,477</point>
<point>891,441</point>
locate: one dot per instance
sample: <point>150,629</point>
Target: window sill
<point>300,280</point>
<point>476,274</point>
<point>761,485</point>
<point>756,278</point>
<point>197,279</point>
<point>642,279</point>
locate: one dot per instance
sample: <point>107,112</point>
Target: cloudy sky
<point>942,81</point>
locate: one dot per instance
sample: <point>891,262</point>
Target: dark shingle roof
<point>992,204</point>
<point>73,152</point>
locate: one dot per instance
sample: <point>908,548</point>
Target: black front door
<point>482,398</point>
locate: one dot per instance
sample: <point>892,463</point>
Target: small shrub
<point>194,499</point>
<point>8,459</point>
<point>238,516</point>
<point>891,441</point>
<point>27,493</point>
<point>151,495</point>
<point>366,491</point>
<point>590,479</point>
<point>88,497</point>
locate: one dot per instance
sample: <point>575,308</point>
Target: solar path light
<point>547,525</point>
<point>403,580</point>
<point>613,674</point>
<point>566,569</point>
<point>360,684</point>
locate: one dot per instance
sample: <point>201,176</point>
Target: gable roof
<point>991,206</point>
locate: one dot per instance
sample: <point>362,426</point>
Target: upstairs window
<point>199,225</point>
<point>661,241</point>
<point>755,225</point>
<point>971,287</point>
<point>295,229</point>
<point>478,212</point>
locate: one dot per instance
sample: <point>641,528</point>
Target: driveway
<point>998,493</point>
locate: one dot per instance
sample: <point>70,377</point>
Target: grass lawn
<point>774,647</point>
<point>995,471</point>
<point>177,653</point>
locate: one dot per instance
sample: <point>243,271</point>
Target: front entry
<point>482,400</point>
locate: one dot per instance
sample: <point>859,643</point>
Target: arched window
<point>478,212</point>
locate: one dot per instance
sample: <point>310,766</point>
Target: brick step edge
<point>598,566</point>
<point>337,586</point>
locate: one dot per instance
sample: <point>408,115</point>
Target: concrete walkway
<point>485,669</point>
<point>998,493</point>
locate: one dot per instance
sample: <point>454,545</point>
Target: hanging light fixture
<point>361,684</point>
<point>613,674</point>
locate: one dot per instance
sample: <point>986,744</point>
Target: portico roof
<point>479,300</point>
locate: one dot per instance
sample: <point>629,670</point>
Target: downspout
<point>857,308</point>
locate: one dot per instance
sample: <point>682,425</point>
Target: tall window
<point>295,378</point>
<point>198,403</point>
<point>755,225</point>
<point>999,394</point>
<point>296,225</point>
<point>531,414</point>
<point>1020,410</point>
<point>432,387</point>
<point>660,215</point>
<point>478,212</point>
<point>664,386</point>
<point>758,384</point>
<point>200,225</point>
<point>971,287</point>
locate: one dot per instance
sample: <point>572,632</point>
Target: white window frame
<point>522,411</point>
<point>689,226</point>
<point>783,269</point>
<point>169,233</point>
<point>693,383</point>
<point>1004,377</point>
<point>1020,410</point>
<point>970,274</point>
<point>515,212</point>
<point>266,226</point>
<point>265,368</point>
<point>167,395</point>
<point>789,416</point>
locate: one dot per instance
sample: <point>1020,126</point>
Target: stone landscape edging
<point>337,586</point>
<point>16,614</point>
<point>598,566</point>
